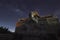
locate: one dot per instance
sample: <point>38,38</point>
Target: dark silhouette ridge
<point>7,35</point>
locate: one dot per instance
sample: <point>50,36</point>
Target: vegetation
<point>4,30</point>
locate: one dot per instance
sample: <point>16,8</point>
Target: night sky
<point>12,10</point>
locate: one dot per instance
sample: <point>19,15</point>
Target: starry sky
<point>12,10</point>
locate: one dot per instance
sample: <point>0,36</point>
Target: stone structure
<point>36,27</point>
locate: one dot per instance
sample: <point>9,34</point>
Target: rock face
<point>39,29</point>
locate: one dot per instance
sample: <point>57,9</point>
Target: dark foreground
<point>41,35</point>
<point>29,37</point>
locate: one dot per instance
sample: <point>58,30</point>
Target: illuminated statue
<point>28,22</point>
<point>34,16</point>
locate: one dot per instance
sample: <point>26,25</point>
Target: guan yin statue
<point>36,27</point>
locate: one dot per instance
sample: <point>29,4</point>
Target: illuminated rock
<point>36,25</point>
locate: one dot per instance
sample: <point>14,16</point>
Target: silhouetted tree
<point>4,30</point>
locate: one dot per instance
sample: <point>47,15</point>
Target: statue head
<point>34,16</point>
